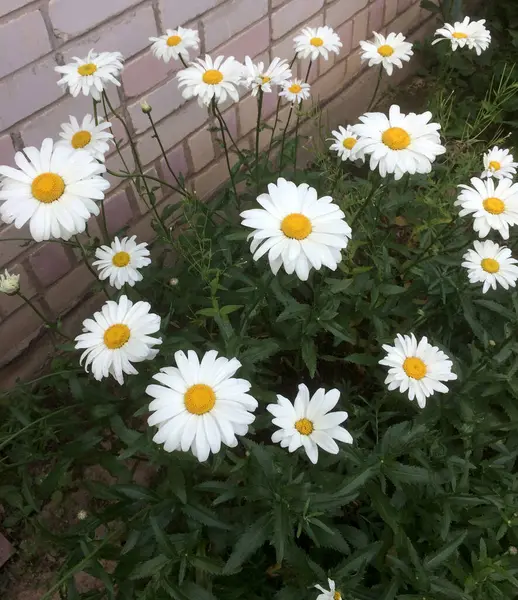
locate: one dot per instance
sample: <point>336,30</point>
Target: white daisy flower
<point>315,42</point>
<point>399,143</point>
<point>118,336</point>
<point>9,283</point>
<point>492,207</point>
<point>387,51</point>
<point>200,405</point>
<point>175,43</point>
<point>255,77</point>
<point>208,79</point>
<point>298,230</point>
<point>331,594</point>
<point>416,367</point>
<point>309,422</point>
<point>55,189</point>
<point>472,34</point>
<point>89,75</point>
<point>88,136</point>
<point>491,264</point>
<point>499,163</point>
<point>344,142</point>
<point>121,261</point>
<point>295,91</point>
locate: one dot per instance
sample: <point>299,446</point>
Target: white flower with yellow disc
<point>472,34</point>
<point>295,91</point>
<point>256,77</point>
<point>331,594</point>
<point>492,207</point>
<point>499,163</point>
<point>90,75</point>
<point>309,422</point>
<point>121,261</point>
<point>55,190</point>
<point>297,229</point>
<point>87,136</point>
<point>492,265</point>
<point>175,43</point>
<point>399,143</point>
<point>210,80</point>
<point>417,368</point>
<point>118,336</point>
<point>344,142</point>
<point>317,41</point>
<point>200,405</point>
<point>388,51</point>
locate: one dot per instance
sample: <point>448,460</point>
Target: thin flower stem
<point>257,128</point>
<point>376,89</point>
<point>281,160</point>
<point>222,122</point>
<point>66,243</point>
<point>222,126</point>
<point>369,197</point>
<point>307,72</point>
<point>84,254</point>
<point>299,112</point>
<point>183,61</point>
<point>143,176</point>
<point>51,326</point>
<point>104,227</point>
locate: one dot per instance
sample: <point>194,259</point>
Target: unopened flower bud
<point>81,515</point>
<point>513,550</point>
<point>9,283</point>
<point>173,282</point>
<point>492,342</point>
<point>146,108</point>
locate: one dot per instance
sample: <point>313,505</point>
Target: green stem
<point>104,225</point>
<point>250,313</point>
<point>257,128</point>
<point>376,89</point>
<point>52,327</point>
<point>281,160</point>
<point>222,126</point>
<point>84,254</point>
<point>365,203</point>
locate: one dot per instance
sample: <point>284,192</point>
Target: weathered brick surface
<point>33,107</point>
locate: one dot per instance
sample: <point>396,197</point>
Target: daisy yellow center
<point>48,187</point>
<point>414,367</point>
<point>212,77</point>
<point>87,69</point>
<point>494,165</point>
<point>80,139</point>
<point>199,399</point>
<point>295,88</point>
<point>304,426</point>
<point>396,138</point>
<point>490,265</point>
<point>337,596</point>
<point>495,206</point>
<point>265,79</point>
<point>121,259</point>
<point>173,40</point>
<point>349,143</point>
<point>385,50</point>
<point>316,41</point>
<point>458,35</point>
<point>116,336</point>
<point>296,226</point>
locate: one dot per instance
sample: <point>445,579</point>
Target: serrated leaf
<point>149,567</point>
<point>251,540</point>
<point>205,516</point>
<point>437,558</point>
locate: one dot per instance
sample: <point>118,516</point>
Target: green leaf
<point>207,312</point>
<point>362,359</point>
<point>429,5</point>
<point>309,355</point>
<point>358,560</point>
<point>205,516</point>
<point>149,567</point>
<point>358,480</point>
<point>196,592</point>
<point>387,289</point>
<point>437,558</point>
<point>230,308</point>
<point>251,540</point>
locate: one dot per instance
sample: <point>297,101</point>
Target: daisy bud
<point>173,282</point>
<point>82,515</point>
<point>146,108</point>
<point>492,343</point>
<point>9,283</point>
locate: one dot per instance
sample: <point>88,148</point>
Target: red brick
<point>8,304</point>
<point>7,151</point>
<point>22,40</point>
<point>390,10</point>
<point>176,13</point>
<point>27,91</point>
<point>163,100</point>
<point>376,20</point>
<point>226,21</point>
<point>72,17</point>
<point>407,21</point>
<point>127,34</point>
<point>142,199</point>
<point>360,27</point>
<point>345,32</point>
<point>340,11</point>
<point>292,14</point>
<point>404,5</point>
<point>118,211</point>
<point>211,179</point>
<point>49,263</point>
<point>330,84</point>
<point>178,163</point>
<point>201,149</point>
<point>114,163</point>
<point>251,42</point>
<point>62,296</point>
<point>20,329</point>
<point>9,5</point>
<point>143,73</point>
<point>9,250</point>
<point>248,111</point>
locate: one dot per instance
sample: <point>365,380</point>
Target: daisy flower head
<point>491,264</point>
<point>9,283</point>
<point>200,405</point>
<point>387,51</point>
<point>88,136</point>
<point>472,34</point>
<point>317,41</point>
<point>256,77</point>
<point>175,43</point>
<point>207,80</point>
<point>89,75</point>
<point>308,422</point>
<point>331,594</point>
<point>55,189</point>
<point>499,163</point>
<point>118,336</point>
<point>492,206</point>
<point>399,143</point>
<point>295,91</point>
<point>344,142</point>
<point>417,368</point>
<point>121,261</point>
<point>298,230</point>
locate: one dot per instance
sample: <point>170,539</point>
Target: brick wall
<point>37,35</point>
